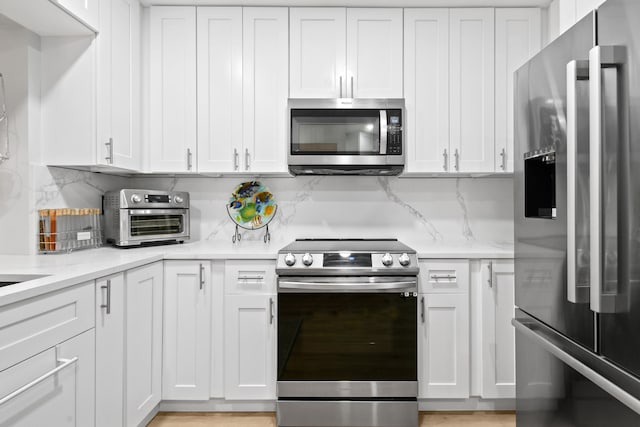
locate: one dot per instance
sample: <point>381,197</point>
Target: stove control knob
<point>290,259</point>
<point>136,198</point>
<point>404,260</point>
<point>178,199</point>
<point>307,259</point>
<point>387,260</point>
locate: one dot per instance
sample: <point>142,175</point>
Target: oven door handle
<point>154,211</point>
<point>400,285</point>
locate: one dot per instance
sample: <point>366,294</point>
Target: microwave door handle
<point>383,131</point>
<point>577,71</point>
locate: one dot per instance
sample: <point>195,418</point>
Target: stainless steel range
<point>347,338</point>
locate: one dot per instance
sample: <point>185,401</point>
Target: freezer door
<point>543,225</point>
<point>615,181</point>
<point>559,383</point>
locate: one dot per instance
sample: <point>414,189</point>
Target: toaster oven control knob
<point>290,259</point>
<point>404,260</point>
<point>387,260</point>
<point>178,199</point>
<point>136,198</point>
<point>307,259</point>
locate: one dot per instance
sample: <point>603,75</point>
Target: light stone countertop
<point>64,270</point>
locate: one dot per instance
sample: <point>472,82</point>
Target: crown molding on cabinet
<point>353,3</point>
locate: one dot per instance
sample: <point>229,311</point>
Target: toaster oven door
<point>154,225</point>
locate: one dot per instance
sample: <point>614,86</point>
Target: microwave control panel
<point>394,132</point>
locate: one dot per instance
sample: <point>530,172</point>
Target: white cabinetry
<point>443,329</point>
<point>187,330</point>
<point>50,338</point>
<point>518,38</point>
<point>119,84</point>
<point>110,307</point>
<point>143,342</point>
<point>498,335</point>
<point>172,102</point>
<point>86,11</point>
<point>250,335</point>
<point>353,53</point>
<point>472,89</point>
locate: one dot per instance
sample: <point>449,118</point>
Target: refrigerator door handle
<point>604,383</point>
<point>577,72</point>
<point>601,157</point>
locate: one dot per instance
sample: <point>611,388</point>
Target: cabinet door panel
<point>518,38</point>
<point>443,346</point>
<point>143,341</point>
<point>172,56</point>
<point>498,352</point>
<point>265,88</point>
<point>219,88</point>
<point>426,79</point>
<point>187,330</point>
<point>250,347</point>
<point>472,89</point>
<point>317,52</point>
<point>374,53</point>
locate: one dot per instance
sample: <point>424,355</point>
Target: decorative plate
<point>251,205</point>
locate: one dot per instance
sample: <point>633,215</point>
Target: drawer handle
<point>437,277</point>
<point>250,277</point>
<point>63,364</point>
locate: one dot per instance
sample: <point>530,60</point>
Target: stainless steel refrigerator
<point>577,225</point>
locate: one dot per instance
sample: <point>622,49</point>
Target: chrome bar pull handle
<point>352,94</point>
<point>490,280</point>
<point>456,155</point>
<point>576,71</point>
<point>189,159</point>
<point>246,159</point>
<point>271,313</point>
<point>422,313</point>
<point>108,304</point>
<point>236,156</point>
<point>109,146</point>
<point>340,86</point>
<point>445,165</point>
<point>201,276</point>
<point>503,161</point>
<point>602,153</point>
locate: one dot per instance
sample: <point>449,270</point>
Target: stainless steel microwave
<point>346,136</point>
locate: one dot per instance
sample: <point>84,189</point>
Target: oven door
<point>347,337</point>
<point>153,225</point>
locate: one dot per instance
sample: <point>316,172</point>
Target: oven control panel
<point>293,262</point>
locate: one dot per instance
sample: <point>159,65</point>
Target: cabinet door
<point>317,52</point>
<point>472,90</point>
<point>187,330</point>
<point>518,38</point>
<point>443,346</point>
<point>265,76</point>
<point>172,56</point>
<point>64,398</point>
<point>374,53</point>
<point>109,351</point>
<point>143,341</point>
<point>250,338</point>
<point>119,84</point>
<point>426,79</point>
<point>219,88</point>
<point>498,341</point>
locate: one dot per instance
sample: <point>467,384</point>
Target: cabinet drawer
<point>250,277</point>
<point>449,276</point>
<point>32,326</point>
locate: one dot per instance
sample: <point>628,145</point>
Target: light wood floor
<point>268,419</point>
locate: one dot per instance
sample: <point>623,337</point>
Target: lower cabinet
<point>65,397</point>
<point>128,346</point>
<point>443,346</point>
<point>187,330</point>
<point>498,335</point>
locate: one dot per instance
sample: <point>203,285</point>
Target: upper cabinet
<point>85,11</point>
<point>351,53</point>
<point>458,71</point>
<point>54,17</point>
<point>218,89</point>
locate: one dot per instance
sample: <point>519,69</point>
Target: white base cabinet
<point>187,330</point>
<point>498,335</point>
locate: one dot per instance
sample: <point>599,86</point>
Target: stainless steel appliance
<point>141,217</point>
<point>577,221</point>
<point>346,136</point>
<point>347,333</point>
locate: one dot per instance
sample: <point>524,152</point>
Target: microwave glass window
<point>145,225</point>
<point>353,132</point>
